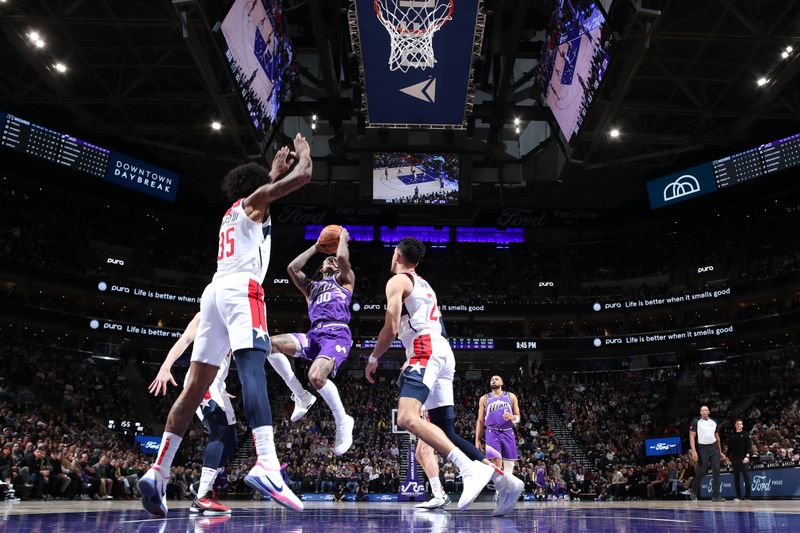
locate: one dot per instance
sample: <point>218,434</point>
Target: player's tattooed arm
<point>257,204</point>
<point>346,277</point>
<point>295,270</point>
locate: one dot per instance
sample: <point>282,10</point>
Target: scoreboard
<point>62,149</point>
<point>727,171</point>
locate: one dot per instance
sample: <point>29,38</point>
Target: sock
<point>458,458</point>
<point>331,396</point>
<point>283,367</point>
<point>166,452</point>
<point>207,478</point>
<point>436,487</point>
<point>265,447</point>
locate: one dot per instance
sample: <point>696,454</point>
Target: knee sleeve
<point>250,366</point>
<point>508,467</point>
<point>444,418</point>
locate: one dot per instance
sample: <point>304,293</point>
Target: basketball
<point>329,238</point>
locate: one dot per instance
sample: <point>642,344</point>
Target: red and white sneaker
<point>209,506</point>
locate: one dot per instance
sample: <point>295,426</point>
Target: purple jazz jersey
<point>500,432</point>
<point>328,302</point>
<point>540,476</point>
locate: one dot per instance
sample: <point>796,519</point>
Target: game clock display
<point>125,427</point>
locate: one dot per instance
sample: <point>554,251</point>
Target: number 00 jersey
<point>420,313</point>
<point>244,244</point>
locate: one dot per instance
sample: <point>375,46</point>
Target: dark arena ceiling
<point>148,77</point>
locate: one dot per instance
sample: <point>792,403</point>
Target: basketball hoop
<point>411,25</point>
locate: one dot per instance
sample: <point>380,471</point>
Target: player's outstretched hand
<point>281,162</point>
<point>344,235</point>
<point>159,385</point>
<point>301,147</point>
<point>369,371</point>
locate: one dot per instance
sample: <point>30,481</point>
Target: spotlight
<point>614,133</point>
<point>784,54</point>
<point>313,125</point>
<point>33,36</point>
<point>39,43</point>
<point>314,118</point>
<point>216,125</point>
<point>762,81</point>
<point>61,67</point>
<point>516,121</point>
<point>516,130</point>
<point>789,49</point>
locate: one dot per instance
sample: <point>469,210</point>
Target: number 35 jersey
<point>244,244</point>
<point>420,312</point>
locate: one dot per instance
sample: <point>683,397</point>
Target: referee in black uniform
<point>705,444</point>
<point>738,451</point>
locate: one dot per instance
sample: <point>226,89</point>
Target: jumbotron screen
<point>406,178</point>
<point>261,56</point>
<point>574,62</point>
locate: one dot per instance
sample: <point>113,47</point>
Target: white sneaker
<point>344,436</point>
<point>301,407</point>
<point>153,488</point>
<point>474,479</point>
<point>434,503</point>
<point>508,495</point>
<point>271,482</point>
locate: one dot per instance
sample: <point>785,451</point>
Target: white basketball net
<point>411,25</point>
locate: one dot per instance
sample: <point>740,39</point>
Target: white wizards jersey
<point>420,313</point>
<point>265,247</point>
<point>240,241</point>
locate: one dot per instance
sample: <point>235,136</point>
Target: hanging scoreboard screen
<point>719,174</point>
<point>62,149</point>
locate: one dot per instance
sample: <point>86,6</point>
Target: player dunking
<point>233,314</point>
<point>498,412</point>
<point>413,315</point>
<point>328,341</point>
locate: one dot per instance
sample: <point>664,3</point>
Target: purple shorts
<point>331,342</point>
<point>503,442</point>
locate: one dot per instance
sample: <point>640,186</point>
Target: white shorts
<point>232,316</point>
<point>432,360</point>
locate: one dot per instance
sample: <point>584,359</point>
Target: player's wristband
<point>373,360</point>
<point>516,419</point>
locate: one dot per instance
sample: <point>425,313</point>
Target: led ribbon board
<point>44,143</point>
<point>405,84</point>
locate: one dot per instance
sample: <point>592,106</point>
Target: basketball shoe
<point>508,494</point>
<point>301,406</point>
<point>271,482</point>
<point>344,436</point>
<point>153,488</point>
<point>209,506</point>
<point>437,502</point>
<point>474,479</point>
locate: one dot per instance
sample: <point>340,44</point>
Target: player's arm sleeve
<point>693,426</point>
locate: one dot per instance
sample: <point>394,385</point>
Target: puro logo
<point>709,268</point>
<point>114,261</point>
<point>683,186</point>
<point>546,284</point>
